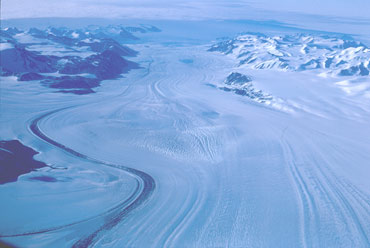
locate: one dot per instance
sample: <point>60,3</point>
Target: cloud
<point>179,9</point>
<point>147,9</point>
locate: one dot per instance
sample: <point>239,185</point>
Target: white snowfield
<point>229,171</point>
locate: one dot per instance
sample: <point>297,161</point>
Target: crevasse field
<point>183,134</point>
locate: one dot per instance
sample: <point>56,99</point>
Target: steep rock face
<point>71,82</point>
<point>237,78</point>
<point>17,60</point>
<point>225,47</point>
<point>30,76</point>
<point>48,35</point>
<point>29,65</point>
<point>298,53</point>
<point>108,45</point>
<point>355,70</point>
<point>97,40</point>
<point>242,85</point>
<point>106,65</point>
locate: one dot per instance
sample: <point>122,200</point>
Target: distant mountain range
<point>299,52</point>
<point>85,56</point>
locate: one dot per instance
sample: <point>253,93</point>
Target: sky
<point>182,9</point>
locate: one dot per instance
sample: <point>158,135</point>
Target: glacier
<point>149,135</point>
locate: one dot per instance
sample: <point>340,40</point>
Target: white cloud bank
<point>180,9</point>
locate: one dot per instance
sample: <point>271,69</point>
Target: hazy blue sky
<point>180,9</point>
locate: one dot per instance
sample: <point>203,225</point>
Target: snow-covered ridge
<point>299,52</point>
<point>242,85</point>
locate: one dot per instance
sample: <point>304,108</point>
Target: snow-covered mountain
<point>299,52</point>
<point>96,52</point>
